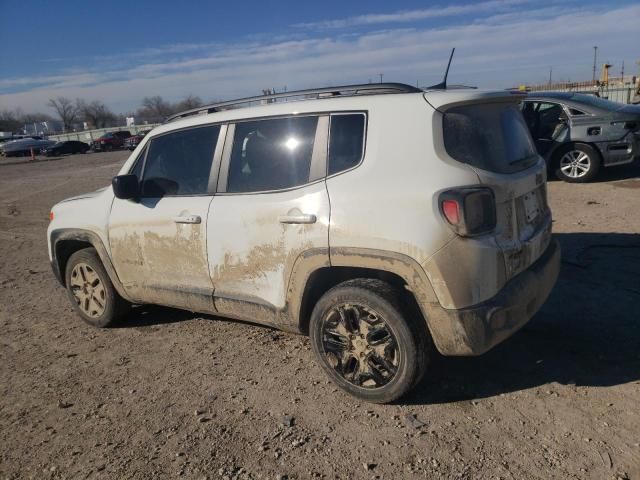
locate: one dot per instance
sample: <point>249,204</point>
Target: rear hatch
<point>487,132</point>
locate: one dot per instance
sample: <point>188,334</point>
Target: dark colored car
<point>133,141</point>
<point>69,146</point>
<point>111,141</point>
<point>577,134</point>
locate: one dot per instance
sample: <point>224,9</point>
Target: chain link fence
<point>617,90</point>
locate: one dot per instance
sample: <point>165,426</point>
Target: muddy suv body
<point>383,223</point>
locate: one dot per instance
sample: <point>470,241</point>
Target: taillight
<point>51,216</point>
<point>451,210</point>
<point>469,211</point>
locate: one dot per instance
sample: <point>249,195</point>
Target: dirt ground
<point>174,394</point>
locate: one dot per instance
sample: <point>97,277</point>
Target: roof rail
<point>327,92</point>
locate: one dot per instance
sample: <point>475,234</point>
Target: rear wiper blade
<point>523,159</point>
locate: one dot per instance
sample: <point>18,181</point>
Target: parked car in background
<point>12,138</point>
<point>577,134</point>
<point>134,140</point>
<point>23,147</point>
<point>382,220</point>
<point>69,146</point>
<point>110,141</point>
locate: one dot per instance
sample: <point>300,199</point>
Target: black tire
<point>114,306</point>
<point>411,341</point>
<point>583,156</point>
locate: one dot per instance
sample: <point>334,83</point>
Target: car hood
<point>85,195</point>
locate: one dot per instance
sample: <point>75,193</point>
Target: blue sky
<point>120,51</point>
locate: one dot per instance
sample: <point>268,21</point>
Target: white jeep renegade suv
<point>382,220</point>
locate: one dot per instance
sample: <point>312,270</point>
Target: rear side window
<point>575,112</point>
<point>346,141</point>
<point>179,163</point>
<point>271,154</point>
<point>491,137</point>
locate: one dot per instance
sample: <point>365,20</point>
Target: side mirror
<point>126,187</point>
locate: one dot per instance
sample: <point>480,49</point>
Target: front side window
<point>346,141</point>
<point>138,164</point>
<point>180,163</point>
<point>271,154</point>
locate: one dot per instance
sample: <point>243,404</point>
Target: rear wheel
<point>577,163</point>
<point>366,343</point>
<point>90,290</point>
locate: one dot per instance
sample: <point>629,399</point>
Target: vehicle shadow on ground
<point>586,334</point>
<point>150,315</point>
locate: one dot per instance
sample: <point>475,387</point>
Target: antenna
<point>443,85</point>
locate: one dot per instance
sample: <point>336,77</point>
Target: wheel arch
<point>65,242</point>
<point>309,280</point>
<point>554,154</point>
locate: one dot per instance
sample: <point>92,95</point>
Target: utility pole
<point>381,74</point>
<point>550,72</point>
<point>622,74</point>
<point>595,53</point>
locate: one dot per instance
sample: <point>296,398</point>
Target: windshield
<point>492,137</point>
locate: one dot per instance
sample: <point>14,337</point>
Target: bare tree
<point>65,109</point>
<point>16,120</point>
<point>156,108</point>
<point>9,121</point>
<point>189,102</point>
<point>27,118</point>
<point>96,113</point>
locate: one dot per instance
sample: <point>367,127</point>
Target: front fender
<point>58,264</point>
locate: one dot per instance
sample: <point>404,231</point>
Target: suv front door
<point>159,242</point>
<point>271,211</point>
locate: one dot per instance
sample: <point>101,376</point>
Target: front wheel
<point>366,343</point>
<point>578,163</point>
<point>90,290</point>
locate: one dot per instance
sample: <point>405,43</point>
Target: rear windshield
<point>491,137</point>
<point>597,102</point>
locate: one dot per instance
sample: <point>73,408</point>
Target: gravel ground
<point>174,394</point>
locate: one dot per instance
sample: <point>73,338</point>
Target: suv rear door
<point>270,210</point>
<point>159,242</point>
<point>492,137</point>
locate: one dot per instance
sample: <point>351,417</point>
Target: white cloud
<point>413,15</point>
<point>496,51</point>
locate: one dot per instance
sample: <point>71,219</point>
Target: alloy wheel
<point>360,346</point>
<point>575,164</point>
<point>88,290</point>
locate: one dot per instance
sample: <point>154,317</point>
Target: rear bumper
<point>474,330</point>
